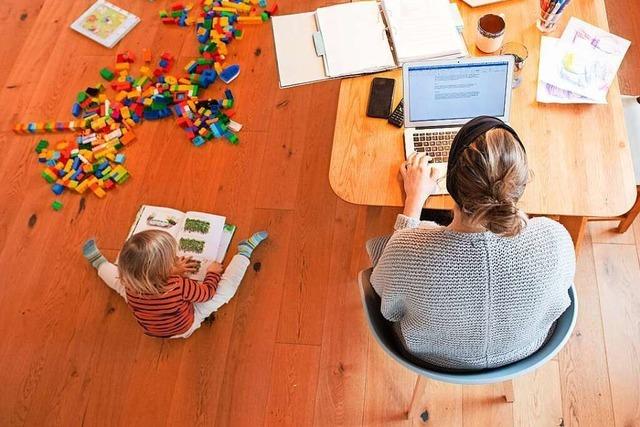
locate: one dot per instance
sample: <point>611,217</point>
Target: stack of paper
<point>422,30</point>
<point>355,40</point>
<point>580,66</point>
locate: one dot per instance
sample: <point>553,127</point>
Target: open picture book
<point>201,236</point>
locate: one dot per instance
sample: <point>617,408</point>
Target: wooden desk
<point>578,154</point>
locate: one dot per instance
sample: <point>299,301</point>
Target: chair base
<point>414,410</point>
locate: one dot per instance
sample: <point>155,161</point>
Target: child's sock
<point>247,246</point>
<point>92,254</point>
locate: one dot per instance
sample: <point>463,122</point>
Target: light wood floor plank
<point>586,395</point>
<point>247,376</point>
<point>606,232</point>
<point>618,273</point>
<point>294,377</point>
<point>343,360</point>
<point>538,398</point>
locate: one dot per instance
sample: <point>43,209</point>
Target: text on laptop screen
<point>457,91</point>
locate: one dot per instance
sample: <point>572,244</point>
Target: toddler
<point>151,279</point>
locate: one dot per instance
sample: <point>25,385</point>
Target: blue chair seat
<point>385,336</point>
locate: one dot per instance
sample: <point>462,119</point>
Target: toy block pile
<point>103,124</point>
<point>88,161</point>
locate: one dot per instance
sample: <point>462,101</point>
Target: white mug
<point>490,32</point>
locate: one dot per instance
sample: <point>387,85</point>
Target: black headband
<point>465,137</point>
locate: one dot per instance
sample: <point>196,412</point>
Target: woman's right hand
<point>420,181</point>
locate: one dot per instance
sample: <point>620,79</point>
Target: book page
<point>296,56</point>
<point>157,218</point>
<point>421,29</point>
<point>199,238</point>
<point>355,38</point>
<point>227,235</point>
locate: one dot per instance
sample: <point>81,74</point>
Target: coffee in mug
<point>490,34</point>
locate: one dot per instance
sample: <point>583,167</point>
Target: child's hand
<point>215,267</point>
<point>185,265</point>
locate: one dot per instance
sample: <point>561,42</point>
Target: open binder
<point>363,37</point>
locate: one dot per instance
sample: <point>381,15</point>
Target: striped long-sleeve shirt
<point>171,313</point>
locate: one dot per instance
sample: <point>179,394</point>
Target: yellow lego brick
<point>121,95</point>
<point>250,20</point>
<point>98,191</point>
<point>238,6</point>
<point>225,9</point>
<point>82,187</point>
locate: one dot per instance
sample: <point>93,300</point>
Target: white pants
<point>229,282</point>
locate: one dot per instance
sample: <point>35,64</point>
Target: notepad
<point>421,29</point>
<point>355,40</point>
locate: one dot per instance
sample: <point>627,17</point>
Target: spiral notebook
<point>363,37</point>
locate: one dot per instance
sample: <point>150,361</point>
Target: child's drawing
<point>104,21</point>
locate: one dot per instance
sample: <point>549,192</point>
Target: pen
<point>563,6</point>
<point>550,6</point>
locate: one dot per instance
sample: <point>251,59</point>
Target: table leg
<point>576,226</point>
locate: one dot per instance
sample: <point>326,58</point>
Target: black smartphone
<point>380,97</point>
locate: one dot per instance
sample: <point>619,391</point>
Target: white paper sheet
<point>584,61</point>
<point>295,52</point>
<point>355,39</point>
<point>548,93</point>
<point>422,29</point>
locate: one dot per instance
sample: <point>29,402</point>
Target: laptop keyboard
<point>434,143</point>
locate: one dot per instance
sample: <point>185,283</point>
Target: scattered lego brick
<point>56,205</point>
<point>105,114</point>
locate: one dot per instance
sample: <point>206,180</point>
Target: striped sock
<point>92,254</point>
<point>247,246</point>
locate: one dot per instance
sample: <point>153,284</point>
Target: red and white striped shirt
<point>171,313</point>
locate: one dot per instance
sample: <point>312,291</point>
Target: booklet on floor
<point>201,236</point>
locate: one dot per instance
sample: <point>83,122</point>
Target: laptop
<point>441,96</point>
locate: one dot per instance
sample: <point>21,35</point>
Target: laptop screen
<point>457,91</point>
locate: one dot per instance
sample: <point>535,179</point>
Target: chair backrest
<point>384,334</point>
<point>631,105</point>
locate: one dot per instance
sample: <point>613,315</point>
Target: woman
<point>486,290</point>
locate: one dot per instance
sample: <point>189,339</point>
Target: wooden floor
<point>292,348</point>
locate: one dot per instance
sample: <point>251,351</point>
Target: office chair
<point>385,336</point>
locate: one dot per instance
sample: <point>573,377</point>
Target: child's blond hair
<point>146,261</point>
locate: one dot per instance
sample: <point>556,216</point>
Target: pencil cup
<point>550,13</point>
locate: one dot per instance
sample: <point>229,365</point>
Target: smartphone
<point>380,97</point>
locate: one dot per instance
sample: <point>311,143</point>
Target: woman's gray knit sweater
<point>473,300</point>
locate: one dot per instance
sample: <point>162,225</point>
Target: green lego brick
<point>107,74</point>
<point>56,205</point>
<point>42,144</point>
